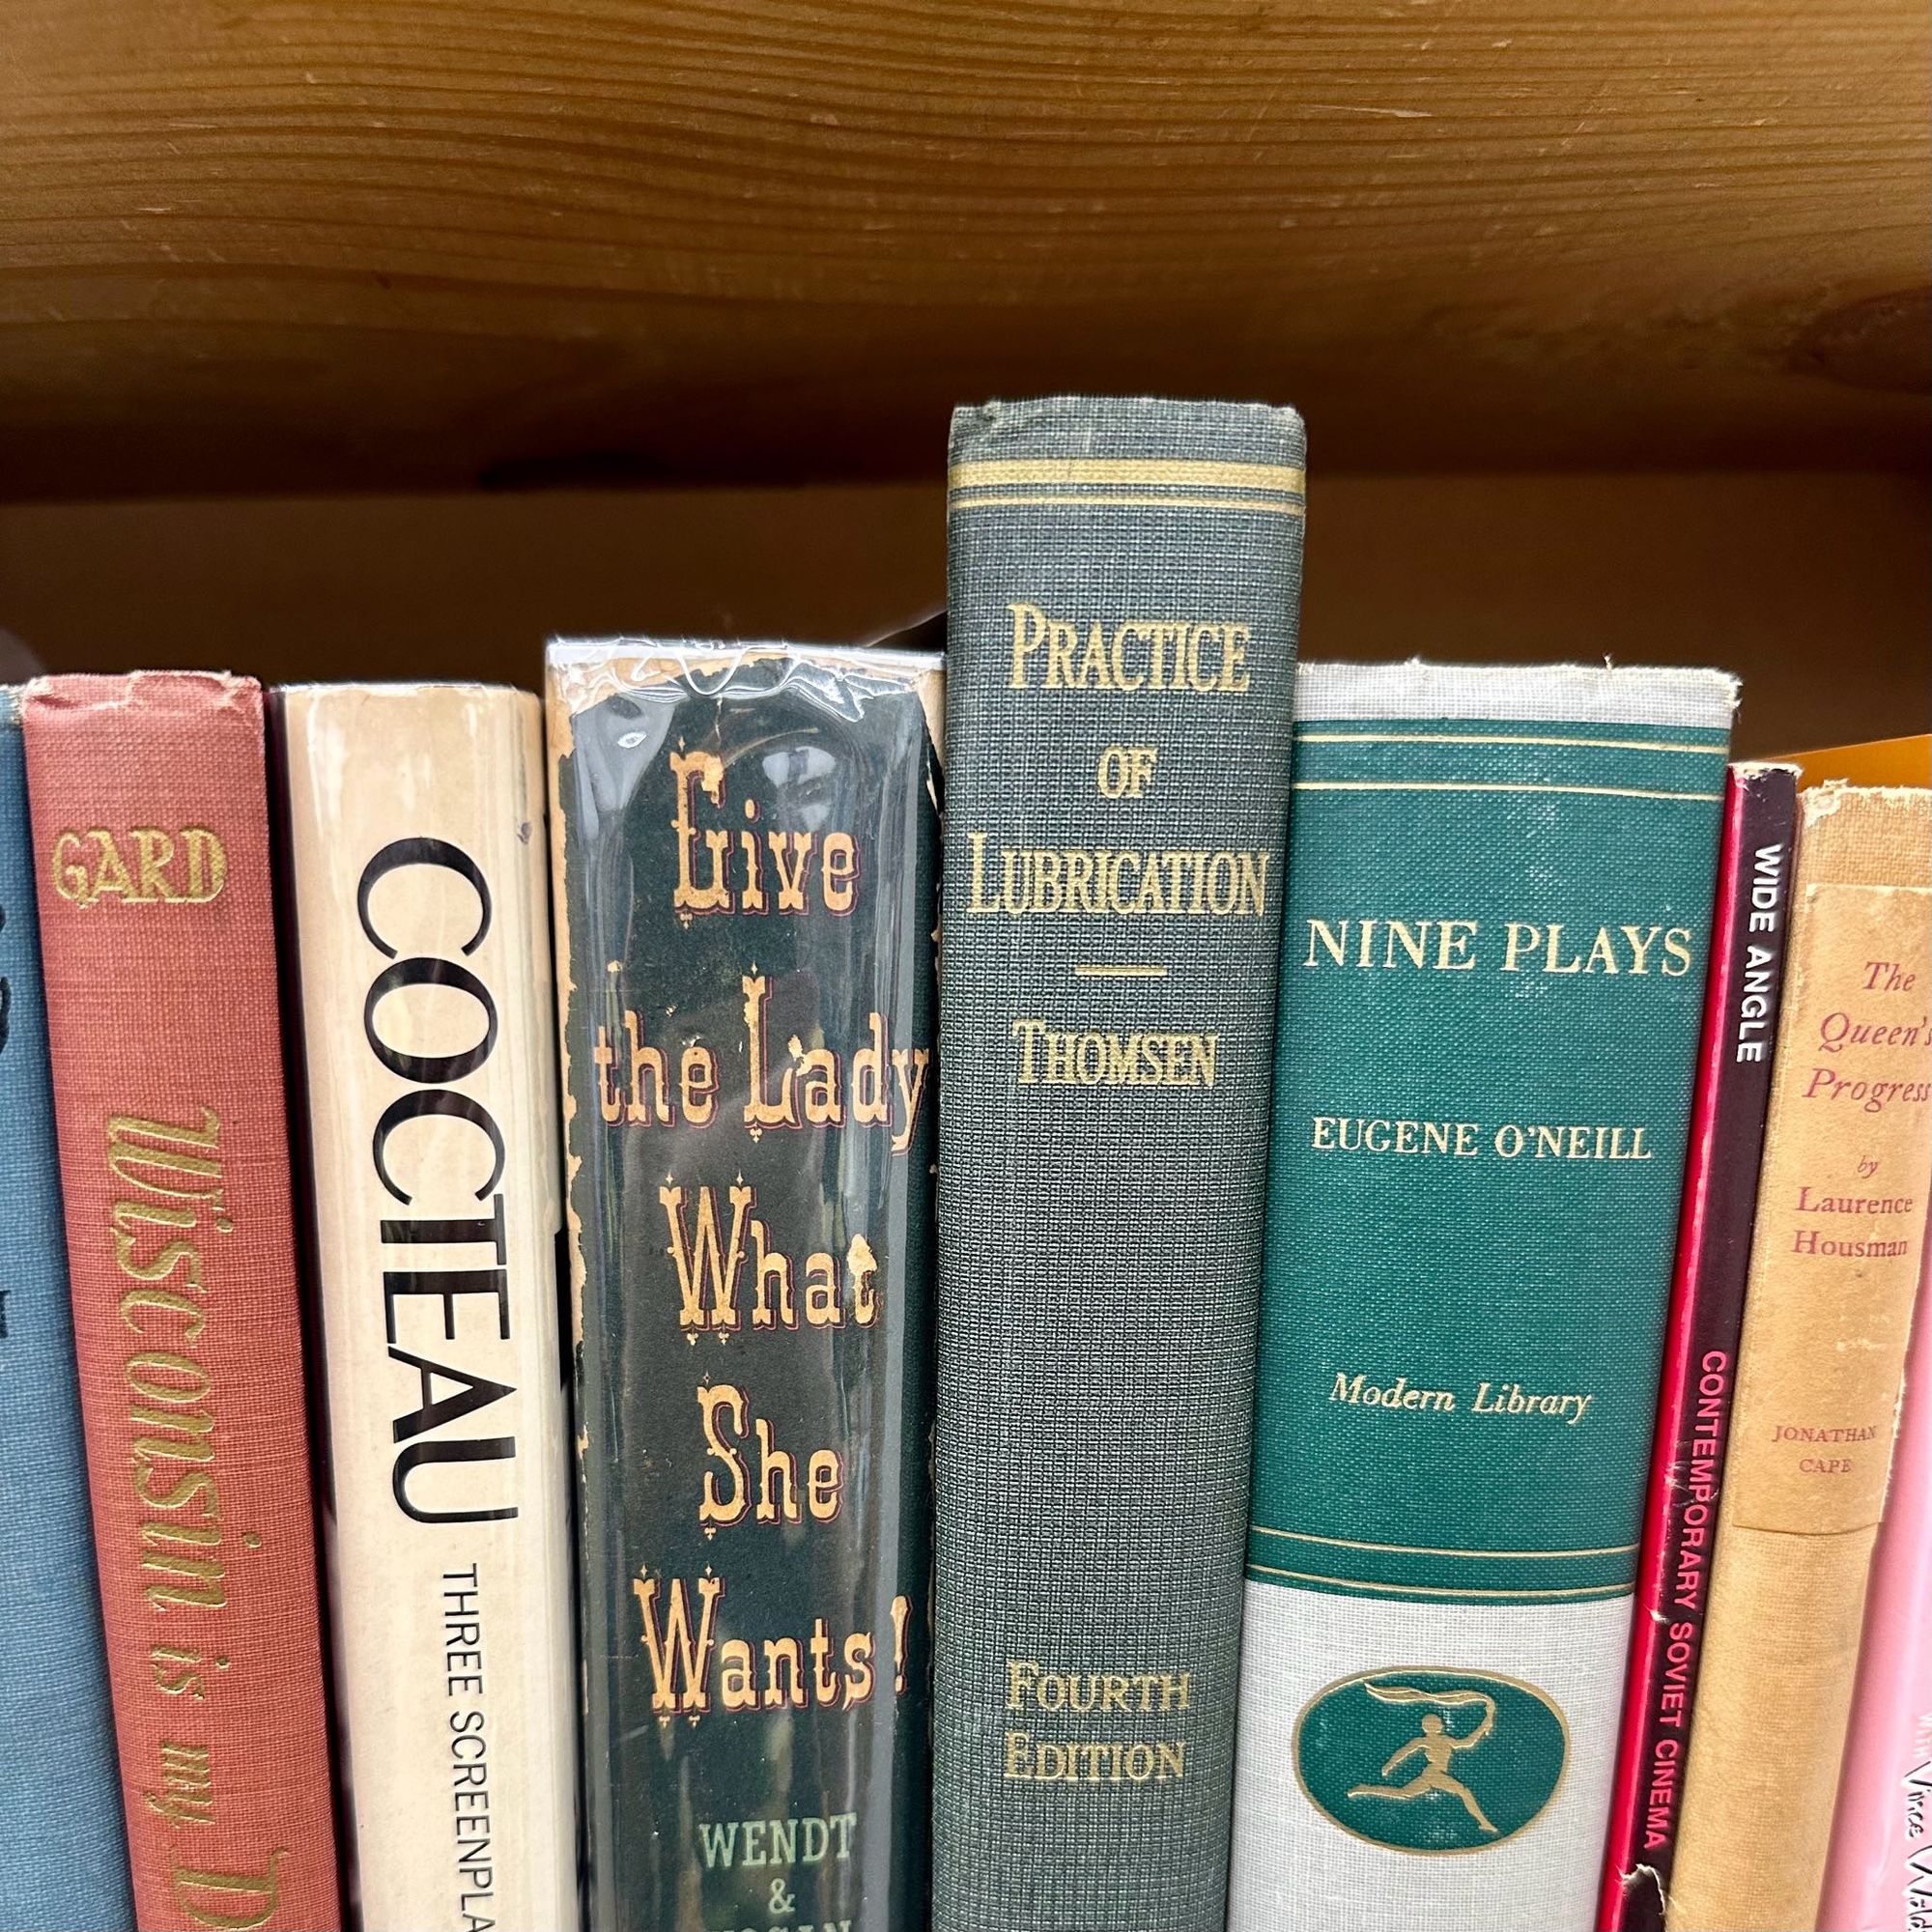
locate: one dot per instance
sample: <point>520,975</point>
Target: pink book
<point>1879,1878</point>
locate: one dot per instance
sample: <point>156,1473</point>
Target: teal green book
<point>1495,947</point>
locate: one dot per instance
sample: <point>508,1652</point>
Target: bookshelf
<point>334,332</point>
<point>367,338</point>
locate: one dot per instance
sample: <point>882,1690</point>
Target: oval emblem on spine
<point>1431,1760</point>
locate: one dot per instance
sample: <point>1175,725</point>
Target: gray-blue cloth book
<point>62,1855</point>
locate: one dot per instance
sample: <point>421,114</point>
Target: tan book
<point>1834,1266</point>
<point>417,843</point>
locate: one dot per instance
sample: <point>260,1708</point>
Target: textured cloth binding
<point>162,1012</point>
<point>1100,1238</point>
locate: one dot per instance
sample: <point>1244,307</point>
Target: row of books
<point>1292,1314</point>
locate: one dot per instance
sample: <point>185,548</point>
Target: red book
<point>151,842</point>
<point>1700,1349</point>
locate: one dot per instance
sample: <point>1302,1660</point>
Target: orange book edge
<point>1878,761</point>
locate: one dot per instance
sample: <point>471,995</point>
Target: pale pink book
<point>1879,1877</point>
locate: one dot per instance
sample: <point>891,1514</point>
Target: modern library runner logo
<point>151,838</point>
<point>1430,1761</point>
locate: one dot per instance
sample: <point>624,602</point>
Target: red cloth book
<point>150,833</point>
<point>1700,1350</point>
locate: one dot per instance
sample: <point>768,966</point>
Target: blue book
<point>63,1854</point>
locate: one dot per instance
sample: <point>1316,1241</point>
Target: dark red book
<point>1749,927</point>
<point>151,841</point>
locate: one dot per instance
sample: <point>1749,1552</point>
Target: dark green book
<point>746,846</point>
<point>1123,585</point>
<point>1497,931</point>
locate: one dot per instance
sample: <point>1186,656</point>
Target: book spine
<point>1498,930</point>
<point>64,1855</point>
<point>746,864</point>
<point>151,841</point>
<point>1879,1875</point>
<point>1125,578</point>
<point>1707,1304</point>
<point>1834,1263</point>
<point>420,890</point>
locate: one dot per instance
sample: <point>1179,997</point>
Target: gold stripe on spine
<point>1462,738</point>
<point>1424,1550</point>
<point>1095,500</point>
<point>1171,473</point>
<point>1605,1590</point>
<point>1453,784</point>
<point>1119,972</point>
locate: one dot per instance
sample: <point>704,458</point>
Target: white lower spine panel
<point>1293,1866</point>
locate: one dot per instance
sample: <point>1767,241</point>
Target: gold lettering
<point>207,865</point>
<point>840,865</point>
<point>695,772</point>
<point>84,878</point>
<point>186,1795</point>
<point>716,1510</point>
<point>679,1657</point>
<point>154,850</point>
<point>1029,634</point>
<point>246,1900</point>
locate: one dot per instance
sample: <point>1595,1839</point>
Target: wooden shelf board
<point>326,244</point>
<point>1815,587</point>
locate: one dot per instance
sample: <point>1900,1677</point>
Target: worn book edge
<point>1592,694</point>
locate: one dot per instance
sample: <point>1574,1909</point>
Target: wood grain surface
<point>341,243</point>
<point>1815,587</point>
